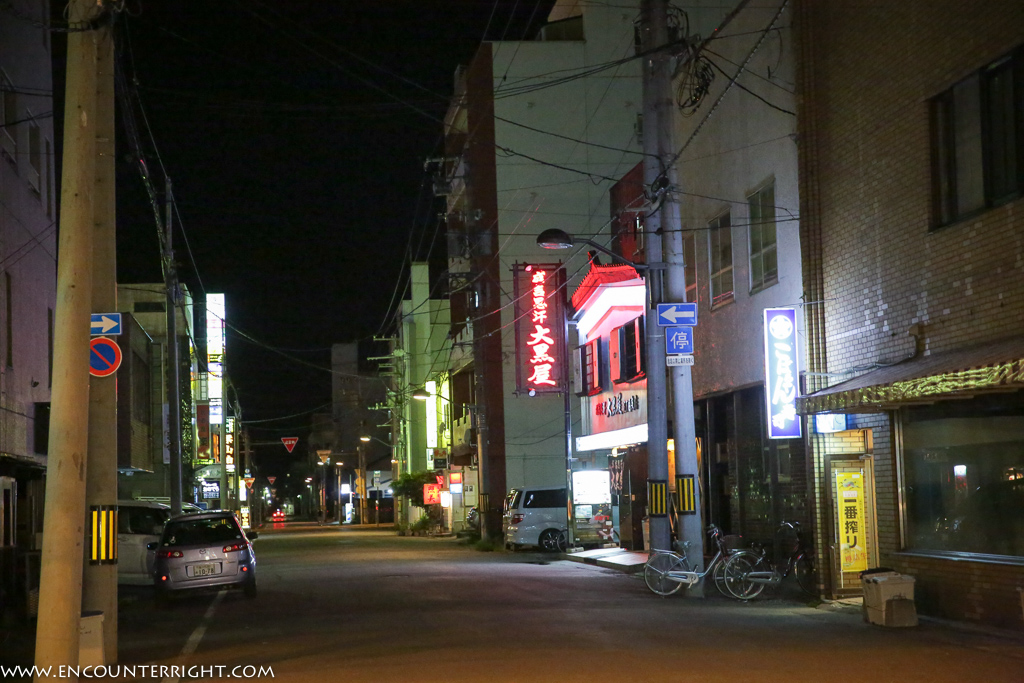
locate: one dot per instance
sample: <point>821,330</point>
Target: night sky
<point>295,135</point>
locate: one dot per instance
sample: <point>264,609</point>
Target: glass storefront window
<point>964,467</point>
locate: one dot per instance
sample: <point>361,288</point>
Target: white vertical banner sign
<point>215,311</point>
<point>781,373</point>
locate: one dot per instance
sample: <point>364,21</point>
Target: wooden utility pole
<point>60,589</point>
<point>99,578</point>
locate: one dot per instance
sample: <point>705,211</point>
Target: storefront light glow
<point>618,437</point>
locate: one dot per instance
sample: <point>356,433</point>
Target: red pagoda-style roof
<point>599,276</point>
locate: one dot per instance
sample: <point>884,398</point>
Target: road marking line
<point>193,640</point>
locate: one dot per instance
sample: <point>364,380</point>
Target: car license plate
<point>204,569</point>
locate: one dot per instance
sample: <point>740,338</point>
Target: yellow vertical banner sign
<point>852,523</point>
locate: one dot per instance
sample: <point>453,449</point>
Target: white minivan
<point>139,523</point>
<point>536,516</point>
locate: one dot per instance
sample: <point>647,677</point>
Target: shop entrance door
<point>852,528</point>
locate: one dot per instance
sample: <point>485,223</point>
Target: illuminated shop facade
<point>610,382</point>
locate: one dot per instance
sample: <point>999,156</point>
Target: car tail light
<point>518,518</point>
<point>234,548</point>
<point>169,553</point>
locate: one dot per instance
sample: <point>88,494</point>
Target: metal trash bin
<point>90,639</point>
<point>889,599</point>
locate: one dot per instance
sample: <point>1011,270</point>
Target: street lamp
<point>657,419</point>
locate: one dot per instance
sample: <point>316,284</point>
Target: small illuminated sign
<point>780,365</point>
<point>591,487</point>
<point>540,328</point>
<point>211,489</point>
<point>617,405</point>
<point>431,494</point>
<point>826,423</point>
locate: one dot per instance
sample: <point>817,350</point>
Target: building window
<point>690,266</point>
<point>628,359</point>
<point>588,369</point>
<point>964,470</point>
<point>8,322</point>
<point>41,429</point>
<point>978,141</point>
<point>35,157</point>
<point>150,307</point>
<point>49,343</point>
<point>764,264</point>
<point>8,117</point>
<point>720,258</point>
<point>140,388</point>
<point>48,180</point>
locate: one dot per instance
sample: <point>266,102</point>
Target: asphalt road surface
<point>348,604</point>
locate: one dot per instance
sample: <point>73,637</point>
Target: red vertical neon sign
<point>540,328</point>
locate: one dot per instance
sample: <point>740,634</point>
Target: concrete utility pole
<point>688,475</point>
<point>99,579</point>
<point>657,120</point>
<point>60,589</point>
<point>173,379</point>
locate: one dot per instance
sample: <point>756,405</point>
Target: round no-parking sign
<point>104,357</point>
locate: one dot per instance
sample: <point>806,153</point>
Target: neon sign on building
<point>215,356</point>
<point>780,365</point>
<point>540,328</point>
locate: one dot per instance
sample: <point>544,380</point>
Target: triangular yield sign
<point>271,480</point>
<point>289,442</point>
<point>249,481</point>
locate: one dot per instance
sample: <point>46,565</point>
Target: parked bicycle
<point>747,572</point>
<point>666,571</point>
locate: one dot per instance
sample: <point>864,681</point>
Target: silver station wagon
<point>205,550</point>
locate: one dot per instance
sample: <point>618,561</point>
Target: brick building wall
<point>873,255</point>
<point>884,268</point>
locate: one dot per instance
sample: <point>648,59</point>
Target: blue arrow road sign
<point>678,340</point>
<point>105,324</point>
<point>675,314</point>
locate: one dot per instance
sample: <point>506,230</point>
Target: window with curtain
<point>764,264</point>
<point>978,141</point>
<point>720,258</point>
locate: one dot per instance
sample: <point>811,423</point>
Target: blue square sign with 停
<point>678,340</point>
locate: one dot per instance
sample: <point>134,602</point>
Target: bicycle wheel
<point>736,571</point>
<point>656,573</point>
<point>805,576</point>
<point>719,577</point>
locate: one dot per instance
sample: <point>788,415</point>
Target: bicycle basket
<point>733,542</point>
